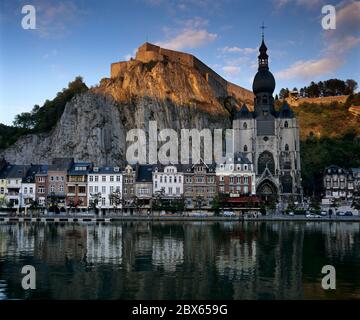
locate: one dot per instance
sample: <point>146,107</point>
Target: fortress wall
<point>176,56</point>
<point>117,68</point>
<point>147,56</point>
<point>240,93</point>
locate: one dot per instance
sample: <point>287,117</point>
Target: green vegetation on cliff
<point>41,119</point>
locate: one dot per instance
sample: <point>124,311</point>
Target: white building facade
<point>168,180</point>
<point>104,181</point>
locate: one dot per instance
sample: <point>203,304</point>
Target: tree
<point>94,200</point>
<point>116,199</point>
<point>24,120</point>
<point>350,86</point>
<point>313,90</point>
<point>284,93</point>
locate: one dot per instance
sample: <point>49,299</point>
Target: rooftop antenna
<point>262,32</point>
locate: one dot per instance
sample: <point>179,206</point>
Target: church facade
<point>270,138</point>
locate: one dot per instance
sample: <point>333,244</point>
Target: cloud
<point>56,18</point>
<point>337,44</point>
<point>310,69</point>
<point>238,50</point>
<point>188,39</point>
<point>231,70</point>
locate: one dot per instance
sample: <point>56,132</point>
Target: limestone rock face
<point>94,124</point>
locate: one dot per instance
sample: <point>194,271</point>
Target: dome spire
<point>263,57</point>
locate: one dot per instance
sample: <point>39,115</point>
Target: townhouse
<point>28,186</point>
<point>14,178</point>
<point>168,180</point>
<point>41,186</point>
<point>57,179</point>
<point>76,185</point>
<point>103,182</point>
<point>236,176</point>
<point>199,185</point>
<point>143,188</point>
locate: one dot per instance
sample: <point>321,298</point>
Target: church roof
<point>285,111</point>
<point>243,113</point>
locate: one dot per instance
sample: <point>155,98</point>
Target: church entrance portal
<point>267,192</point>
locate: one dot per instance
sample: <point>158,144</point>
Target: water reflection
<point>184,260</point>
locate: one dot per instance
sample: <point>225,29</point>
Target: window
<point>118,178</point>
<point>211,179</point>
<point>246,180</point>
<point>2,190</point>
<point>96,189</point>
<point>286,147</point>
<point>179,179</point>
<point>96,178</point>
<point>82,189</point>
<point>161,179</point>
<point>170,179</point>
<point>91,189</point>
<point>52,188</point>
<point>111,189</point>
<point>31,190</point>
<point>103,201</point>
<point>245,148</point>
<point>245,167</point>
<point>170,190</point>
<point>286,124</point>
<point>165,179</point>
<point>52,178</point>
<point>103,189</point>
<point>111,178</point>
<point>103,178</point>
<point>61,188</point>
<point>177,190</point>
<point>231,179</point>
<point>41,190</point>
<point>25,190</point>
<point>91,178</point>
<point>245,125</point>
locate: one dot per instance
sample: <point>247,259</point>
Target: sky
<point>83,37</point>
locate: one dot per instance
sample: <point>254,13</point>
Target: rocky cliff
<point>94,124</point>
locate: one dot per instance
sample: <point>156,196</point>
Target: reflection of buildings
<point>236,259</point>
<point>104,244</point>
<point>168,253</point>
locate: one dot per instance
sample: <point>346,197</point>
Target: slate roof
<point>144,173</point>
<point>14,171</point>
<point>285,111</point>
<point>243,113</point>
<point>30,174</point>
<point>105,170</point>
<point>61,164</point>
<point>74,172</point>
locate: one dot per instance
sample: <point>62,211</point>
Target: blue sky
<point>79,37</point>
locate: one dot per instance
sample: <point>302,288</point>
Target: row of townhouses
<point>78,184</point>
<point>340,183</point>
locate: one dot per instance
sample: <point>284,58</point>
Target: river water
<point>180,260</point>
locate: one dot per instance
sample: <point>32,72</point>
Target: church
<point>270,139</point>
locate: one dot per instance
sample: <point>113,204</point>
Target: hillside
<point>92,126</point>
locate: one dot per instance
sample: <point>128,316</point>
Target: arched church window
<point>245,125</point>
<point>286,124</point>
<point>245,148</point>
<point>286,147</point>
<point>266,160</point>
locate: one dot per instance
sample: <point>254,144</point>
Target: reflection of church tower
<point>269,137</point>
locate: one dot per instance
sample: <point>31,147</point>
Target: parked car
<point>348,213</point>
<point>323,213</point>
<point>340,213</point>
<point>229,214</point>
<point>199,214</point>
<point>291,213</point>
<point>311,215</point>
